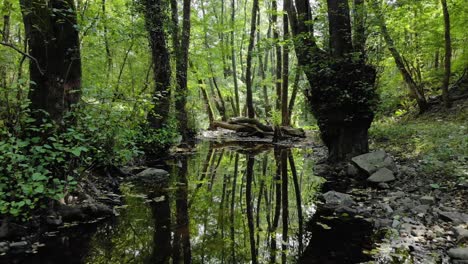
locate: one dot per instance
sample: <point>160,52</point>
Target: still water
<point>221,204</point>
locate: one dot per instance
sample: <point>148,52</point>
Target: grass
<point>437,140</point>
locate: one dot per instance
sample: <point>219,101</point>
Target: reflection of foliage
<point>209,215</point>
<point>211,174</point>
<point>130,240</point>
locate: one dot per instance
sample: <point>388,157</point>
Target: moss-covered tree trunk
<point>53,41</point>
<point>341,91</point>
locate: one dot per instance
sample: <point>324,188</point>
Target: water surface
<point>221,204</point>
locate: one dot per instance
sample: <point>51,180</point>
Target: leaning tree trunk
<point>341,91</point>
<point>399,61</point>
<point>51,30</point>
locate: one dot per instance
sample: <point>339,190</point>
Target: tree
<point>248,75</point>
<point>181,49</point>
<point>53,41</point>
<point>416,89</point>
<point>285,83</point>
<point>154,21</point>
<point>448,55</point>
<point>341,89</point>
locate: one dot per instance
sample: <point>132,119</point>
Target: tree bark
<point>285,73</point>
<point>6,12</point>
<point>292,100</point>
<point>359,34</point>
<point>233,60</point>
<point>106,41</point>
<point>51,30</point>
<point>154,18</point>
<point>278,71</point>
<point>248,75</point>
<point>182,50</point>
<point>341,90</point>
<point>448,55</point>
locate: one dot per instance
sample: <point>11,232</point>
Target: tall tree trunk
<point>182,50</point>
<point>274,18</point>
<point>341,89</point>
<point>154,18</point>
<point>292,100</point>
<point>359,36</point>
<point>399,61</point>
<point>106,40</point>
<point>52,33</point>
<point>233,60</point>
<point>448,55</point>
<point>6,12</point>
<point>284,92</point>
<point>248,75</point>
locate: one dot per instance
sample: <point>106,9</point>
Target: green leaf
<point>38,176</point>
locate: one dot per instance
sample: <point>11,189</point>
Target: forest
<point>233,131</point>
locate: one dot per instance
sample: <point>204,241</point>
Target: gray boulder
<point>337,199</point>
<point>458,253</point>
<point>151,175</point>
<point>382,175</point>
<point>427,199</point>
<point>461,233</point>
<point>152,172</point>
<point>373,161</point>
<point>456,217</point>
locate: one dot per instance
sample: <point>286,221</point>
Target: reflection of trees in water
<point>257,207</point>
<point>220,206</point>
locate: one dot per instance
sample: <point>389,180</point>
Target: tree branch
<point>24,54</point>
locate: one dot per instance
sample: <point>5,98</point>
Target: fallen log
<point>252,121</point>
<point>252,127</point>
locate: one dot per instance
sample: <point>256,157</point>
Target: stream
<point>224,203</point>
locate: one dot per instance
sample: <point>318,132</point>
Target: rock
<point>351,170</point>
<point>322,169</point>
<point>408,171</point>
<point>460,261</point>
<point>455,217</point>
<point>373,161</point>
<point>408,203</point>
<point>151,176</point>
<point>18,244</point>
<point>381,223</point>
<point>382,175</point>
<point>461,233</point>
<point>152,172</point>
<point>337,199</point>
<point>54,220</point>
<point>427,199</point>
<point>421,209</point>
<point>395,223</point>
<point>458,253</point>
<point>386,207</point>
<point>383,186</point>
<point>4,246</point>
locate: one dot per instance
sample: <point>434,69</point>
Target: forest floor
<point>423,213</point>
